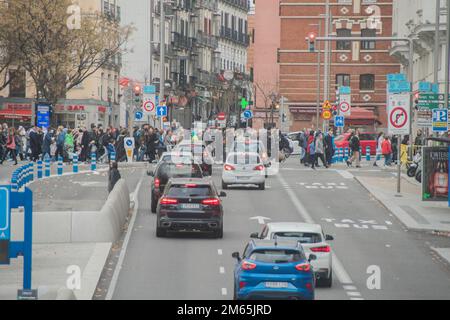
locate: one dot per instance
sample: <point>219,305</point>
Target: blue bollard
<point>14,186</point>
<point>31,171</point>
<point>60,166</point>
<point>39,169</point>
<point>93,161</point>
<point>368,156</point>
<point>75,163</point>
<point>346,154</point>
<point>113,156</point>
<point>47,166</point>
<point>340,154</point>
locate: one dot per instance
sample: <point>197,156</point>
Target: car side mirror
<point>236,256</point>
<point>150,173</point>
<point>329,238</point>
<point>312,257</point>
<point>222,194</point>
<point>254,235</point>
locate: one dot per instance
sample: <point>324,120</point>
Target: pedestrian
<point>386,149</point>
<point>114,176</point>
<point>151,142</point>
<point>11,143</point>
<point>419,141</point>
<point>330,147</point>
<point>380,140</point>
<point>309,157</point>
<point>111,149</point>
<point>354,145</point>
<point>3,138</point>
<point>46,143</point>
<point>312,154</point>
<point>60,140</point>
<point>35,143</point>
<point>319,151</point>
<point>69,145</point>
<point>22,138</point>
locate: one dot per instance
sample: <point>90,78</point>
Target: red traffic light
<point>311,36</point>
<point>137,89</point>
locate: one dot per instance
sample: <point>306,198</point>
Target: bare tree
<point>268,91</point>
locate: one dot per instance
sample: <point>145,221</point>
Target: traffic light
<point>137,93</point>
<point>311,39</point>
<point>416,100</point>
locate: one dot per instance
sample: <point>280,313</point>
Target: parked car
<point>273,269</point>
<point>366,139</point>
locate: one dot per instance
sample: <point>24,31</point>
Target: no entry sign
<point>148,107</point>
<point>399,114</point>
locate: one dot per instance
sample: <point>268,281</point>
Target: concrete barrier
<point>105,225</point>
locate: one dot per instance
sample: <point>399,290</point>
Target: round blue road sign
<point>248,114</point>
<point>139,115</point>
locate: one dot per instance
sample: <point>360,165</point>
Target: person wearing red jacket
<point>10,146</point>
<point>386,150</point>
<point>308,157</point>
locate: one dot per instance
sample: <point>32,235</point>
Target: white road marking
<point>345,174</point>
<point>388,223</point>
<point>222,270</point>
<point>338,268</point>
<point>350,288</point>
<point>224,291</point>
<point>116,273</point>
<point>354,294</point>
<point>356,298</point>
<point>219,252</point>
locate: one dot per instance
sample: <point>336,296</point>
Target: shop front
<point>16,114</point>
<point>80,115</point>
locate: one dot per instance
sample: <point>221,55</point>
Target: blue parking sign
<point>339,121</point>
<point>440,120</point>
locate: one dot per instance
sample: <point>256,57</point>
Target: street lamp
<point>319,25</point>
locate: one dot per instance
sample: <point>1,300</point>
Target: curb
<point>438,252</point>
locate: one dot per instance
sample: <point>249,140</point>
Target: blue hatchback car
<point>273,269</point>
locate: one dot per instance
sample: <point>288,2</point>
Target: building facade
<point>95,101</point>
<point>361,65</point>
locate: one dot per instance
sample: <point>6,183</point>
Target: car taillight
<point>227,167</point>
<point>242,284</point>
<point>168,201</point>
<point>259,168</point>
<point>321,249</point>
<point>308,286</point>
<point>190,185</point>
<point>157,183</point>
<point>248,265</point>
<point>211,202</point>
<point>305,267</point>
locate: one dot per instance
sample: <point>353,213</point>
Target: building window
<point>367,82</point>
<point>17,86</point>
<point>342,80</point>
<point>343,45</point>
<point>368,45</point>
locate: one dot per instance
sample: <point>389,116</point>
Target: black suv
<point>166,170</point>
<point>190,205</point>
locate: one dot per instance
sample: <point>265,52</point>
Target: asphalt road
<point>367,238</point>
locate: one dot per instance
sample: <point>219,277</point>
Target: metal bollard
<point>47,166</point>
<point>368,155</point>
<point>60,166</point>
<point>75,163</point>
<point>39,169</point>
<point>93,161</point>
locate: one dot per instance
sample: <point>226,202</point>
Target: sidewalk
<point>413,213</point>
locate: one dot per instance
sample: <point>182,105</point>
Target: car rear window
<point>189,191</point>
<point>243,158</point>
<point>276,255</point>
<point>303,237</point>
<point>179,170</point>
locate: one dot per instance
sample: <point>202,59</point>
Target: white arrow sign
<point>260,219</point>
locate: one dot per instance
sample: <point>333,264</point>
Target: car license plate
<point>243,178</point>
<point>190,206</point>
<point>276,285</point>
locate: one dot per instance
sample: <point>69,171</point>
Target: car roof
<point>294,226</point>
<point>280,244</point>
<point>199,181</point>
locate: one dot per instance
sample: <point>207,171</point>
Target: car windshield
<point>303,237</point>
<point>179,170</point>
<point>189,191</point>
<point>244,158</point>
<point>276,255</point>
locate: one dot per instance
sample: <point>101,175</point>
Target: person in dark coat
<point>114,176</point>
<point>85,142</point>
<point>151,141</point>
<point>46,143</point>
<point>35,143</point>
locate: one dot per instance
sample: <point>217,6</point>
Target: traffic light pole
<point>162,76</point>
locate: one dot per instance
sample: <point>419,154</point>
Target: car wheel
<point>154,204</point>
<point>262,186</point>
<point>224,186</point>
<point>411,172</point>
<point>326,282</point>
<point>160,233</point>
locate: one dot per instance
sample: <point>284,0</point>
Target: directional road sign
<point>339,121</point>
<point>149,89</point>
<point>161,111</point>
<point>248,114</point>
<point>431,101</point>
<point>138,115</point>
<point>440,120</point>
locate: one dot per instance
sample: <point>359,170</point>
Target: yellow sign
<point>327,115</point>
<point>327,105</point>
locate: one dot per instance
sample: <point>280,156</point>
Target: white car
<point>244,168</point>
<point>313,241</point>
<point>249,145</point>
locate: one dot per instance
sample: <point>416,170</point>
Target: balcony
<point>235,36</point>
<point>167,9</point>
<point>240,4</point>
<point>181,41</point>
<point>207,40</point>
<point>211,5</point>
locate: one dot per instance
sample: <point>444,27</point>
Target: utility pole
<point>327,52</point>
<point>162,76</point>
<point>151,49</point>
<point>436,42</point>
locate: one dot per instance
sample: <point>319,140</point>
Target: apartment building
<point>96,100</point>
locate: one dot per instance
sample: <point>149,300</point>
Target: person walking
<point>319,151</point>
<point>380,140</point>
<point>35,143</point>
<point>69,145</point>
<point>60,139</point>
<point>309,157</point>
<point>330,147</point>
<point>355,145</point>
<point>10,146</point>
<point>113,176</point>
<point>386,149</point>
<point>47,143</point>
<point>151,141</point>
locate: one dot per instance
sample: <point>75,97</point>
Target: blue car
<point>273,269</point>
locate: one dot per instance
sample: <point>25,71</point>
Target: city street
<point>366,234</point>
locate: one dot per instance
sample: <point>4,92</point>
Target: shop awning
<point>15,114</point>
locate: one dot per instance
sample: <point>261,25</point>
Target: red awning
<point>15,114</point>
<point>361,114</point>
